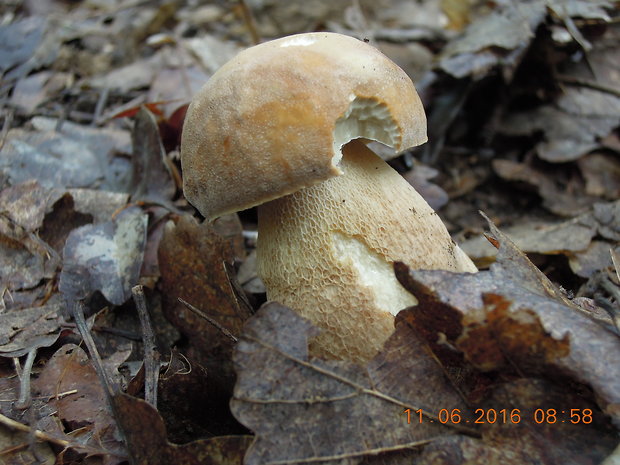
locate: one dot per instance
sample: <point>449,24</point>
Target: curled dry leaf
<point>145,434</point>
<point>106,257</point>
<point>513,316</point>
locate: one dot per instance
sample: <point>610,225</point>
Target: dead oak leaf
<point>502,321</point>
<point>306,410</point>
<point>528,422</point>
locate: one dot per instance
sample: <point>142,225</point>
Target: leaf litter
<point>522,102</point>
<point>504,340</point>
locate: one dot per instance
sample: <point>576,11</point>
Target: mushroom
<point>283,126</point>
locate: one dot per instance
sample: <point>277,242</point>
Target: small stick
<point>8,119</point>
<point>43,436</point>
<point>101,102</point>
<point>6,421</point>
<point>201,314</point>
<point>590,84</point>
<point>151,358</point>
<point>24,380</point>
<point>80,322</point>
<point>607,304</point>
<point>248,19</point>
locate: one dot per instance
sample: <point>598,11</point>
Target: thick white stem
<point>327,251</point>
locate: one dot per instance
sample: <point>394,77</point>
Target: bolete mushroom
<point>277,126</point>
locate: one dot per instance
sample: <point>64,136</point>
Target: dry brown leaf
<point>570,237</point>
<point>306,410</point>
<point>512,316</point>
<point>151,181</point>
<point>193,263</point>
<point>24,329</point>
<point>561,198</point>
<point>309,410</point>
<point>84,413</point>
<point>602,175</point>
<point>146,439</point>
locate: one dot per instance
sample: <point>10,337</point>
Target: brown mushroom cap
<point>273,119</point>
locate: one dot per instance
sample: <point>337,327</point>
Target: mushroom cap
<point>273,119</point>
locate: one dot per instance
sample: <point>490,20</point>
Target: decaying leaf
<point>193,261</point>
<point>65,156</point>
<point>80,404</point>
<point>570,237</point>
<point>309,410</point>
<point>513,315</point>
<point>147,443</point>
<point>29,328</point>
<point>561,197</point>
<point>498,324</point>
<point>572,125</point>
<point>151,176</point>
<point>105,257</point>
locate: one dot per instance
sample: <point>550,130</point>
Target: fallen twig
<point>151,357</point>
<point>201,314</point>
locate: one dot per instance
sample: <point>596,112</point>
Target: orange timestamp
<point>490,416</point>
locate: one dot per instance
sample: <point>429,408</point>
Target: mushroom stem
<point>327,251</point>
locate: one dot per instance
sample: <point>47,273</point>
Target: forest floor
<point>100,362</point>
